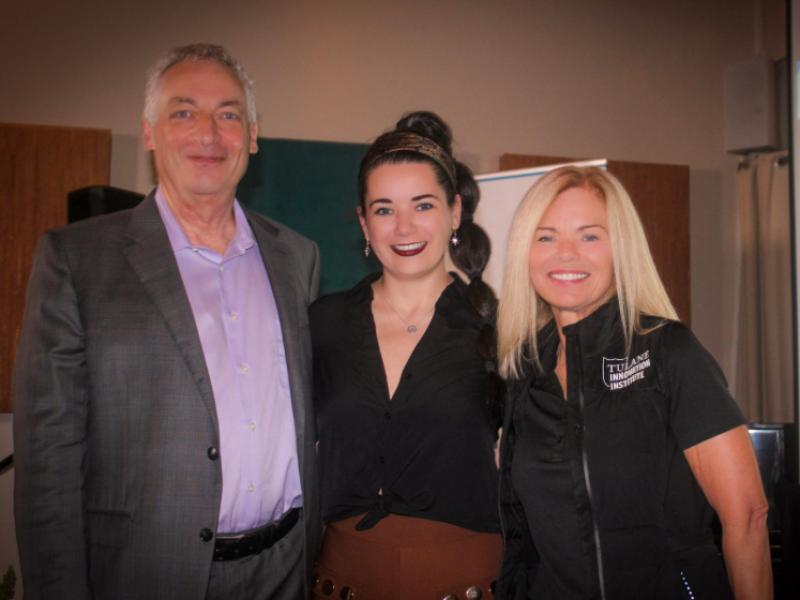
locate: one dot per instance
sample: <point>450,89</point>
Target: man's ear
<point>147,135</point>
<point>253,137</point>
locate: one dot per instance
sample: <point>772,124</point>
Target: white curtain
<point>764,369</point>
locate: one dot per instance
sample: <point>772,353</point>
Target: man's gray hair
<point>196,52</point>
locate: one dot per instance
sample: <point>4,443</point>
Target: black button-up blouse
<point>428,451</point>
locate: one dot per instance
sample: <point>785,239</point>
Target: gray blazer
<point>114,412</point>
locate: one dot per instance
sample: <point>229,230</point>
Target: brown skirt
<point>406,558</point>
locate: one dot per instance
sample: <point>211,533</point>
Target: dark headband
<point>408,141</point>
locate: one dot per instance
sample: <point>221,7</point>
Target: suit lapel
<point>152,258</point>
<point>277,257</point>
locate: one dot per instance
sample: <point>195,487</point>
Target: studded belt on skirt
<point>403,558</point>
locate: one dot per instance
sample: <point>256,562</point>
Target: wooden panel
<point>39,166</point>
<point>661,195</point>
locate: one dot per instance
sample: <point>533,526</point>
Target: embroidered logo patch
<point>619,373</point>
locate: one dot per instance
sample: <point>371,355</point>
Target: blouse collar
<point>452,303</point>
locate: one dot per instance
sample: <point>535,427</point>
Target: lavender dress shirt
<point>240,331</point>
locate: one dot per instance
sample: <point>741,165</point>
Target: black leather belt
<point>238,546</point>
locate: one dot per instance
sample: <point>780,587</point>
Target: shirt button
<point>251,488</point>
<point>251,425</point>
<point>234,316</point>
<point>213,453</point>
<point>244,369</point>
<point>221,268</point>
<point>382,459</point>
<point>206,534</point>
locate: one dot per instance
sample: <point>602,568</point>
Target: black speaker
<point>99,200</point>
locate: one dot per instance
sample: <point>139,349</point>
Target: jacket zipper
<point>687,587</point>
<point>585,459</point>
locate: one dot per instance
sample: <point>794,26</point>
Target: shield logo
<point>612,368</point>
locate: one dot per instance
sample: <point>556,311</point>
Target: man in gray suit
<point>163,426</point>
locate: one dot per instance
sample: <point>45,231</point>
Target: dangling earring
<point>454,238</point>
<point>366,248</point>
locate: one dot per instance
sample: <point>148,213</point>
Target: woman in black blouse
<point>405,389</point>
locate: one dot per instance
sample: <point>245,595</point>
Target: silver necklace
<point>410,327</point>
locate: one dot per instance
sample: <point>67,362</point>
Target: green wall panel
<point>312,188</point>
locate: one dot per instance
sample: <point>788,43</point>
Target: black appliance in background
<point>99,200</point>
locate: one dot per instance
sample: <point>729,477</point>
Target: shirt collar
<point>242,240</point>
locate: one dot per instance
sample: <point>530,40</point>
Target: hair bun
<point>430,125</point>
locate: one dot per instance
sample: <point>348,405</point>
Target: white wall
<point>619,79</point>
<point>604,78</point>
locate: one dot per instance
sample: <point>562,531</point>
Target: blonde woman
<point>620,433</point>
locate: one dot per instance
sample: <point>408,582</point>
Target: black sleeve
<point>701,406</point>
<point>325,318</point>
<point>520,557</point>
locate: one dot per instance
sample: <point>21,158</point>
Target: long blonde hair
<point>522,313</point>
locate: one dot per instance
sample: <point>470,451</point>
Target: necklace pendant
<point>411,329</point>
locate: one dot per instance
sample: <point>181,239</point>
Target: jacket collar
<point>598,330</point>
<point>595,334</point>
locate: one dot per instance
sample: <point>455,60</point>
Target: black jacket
<point>643,522</point>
